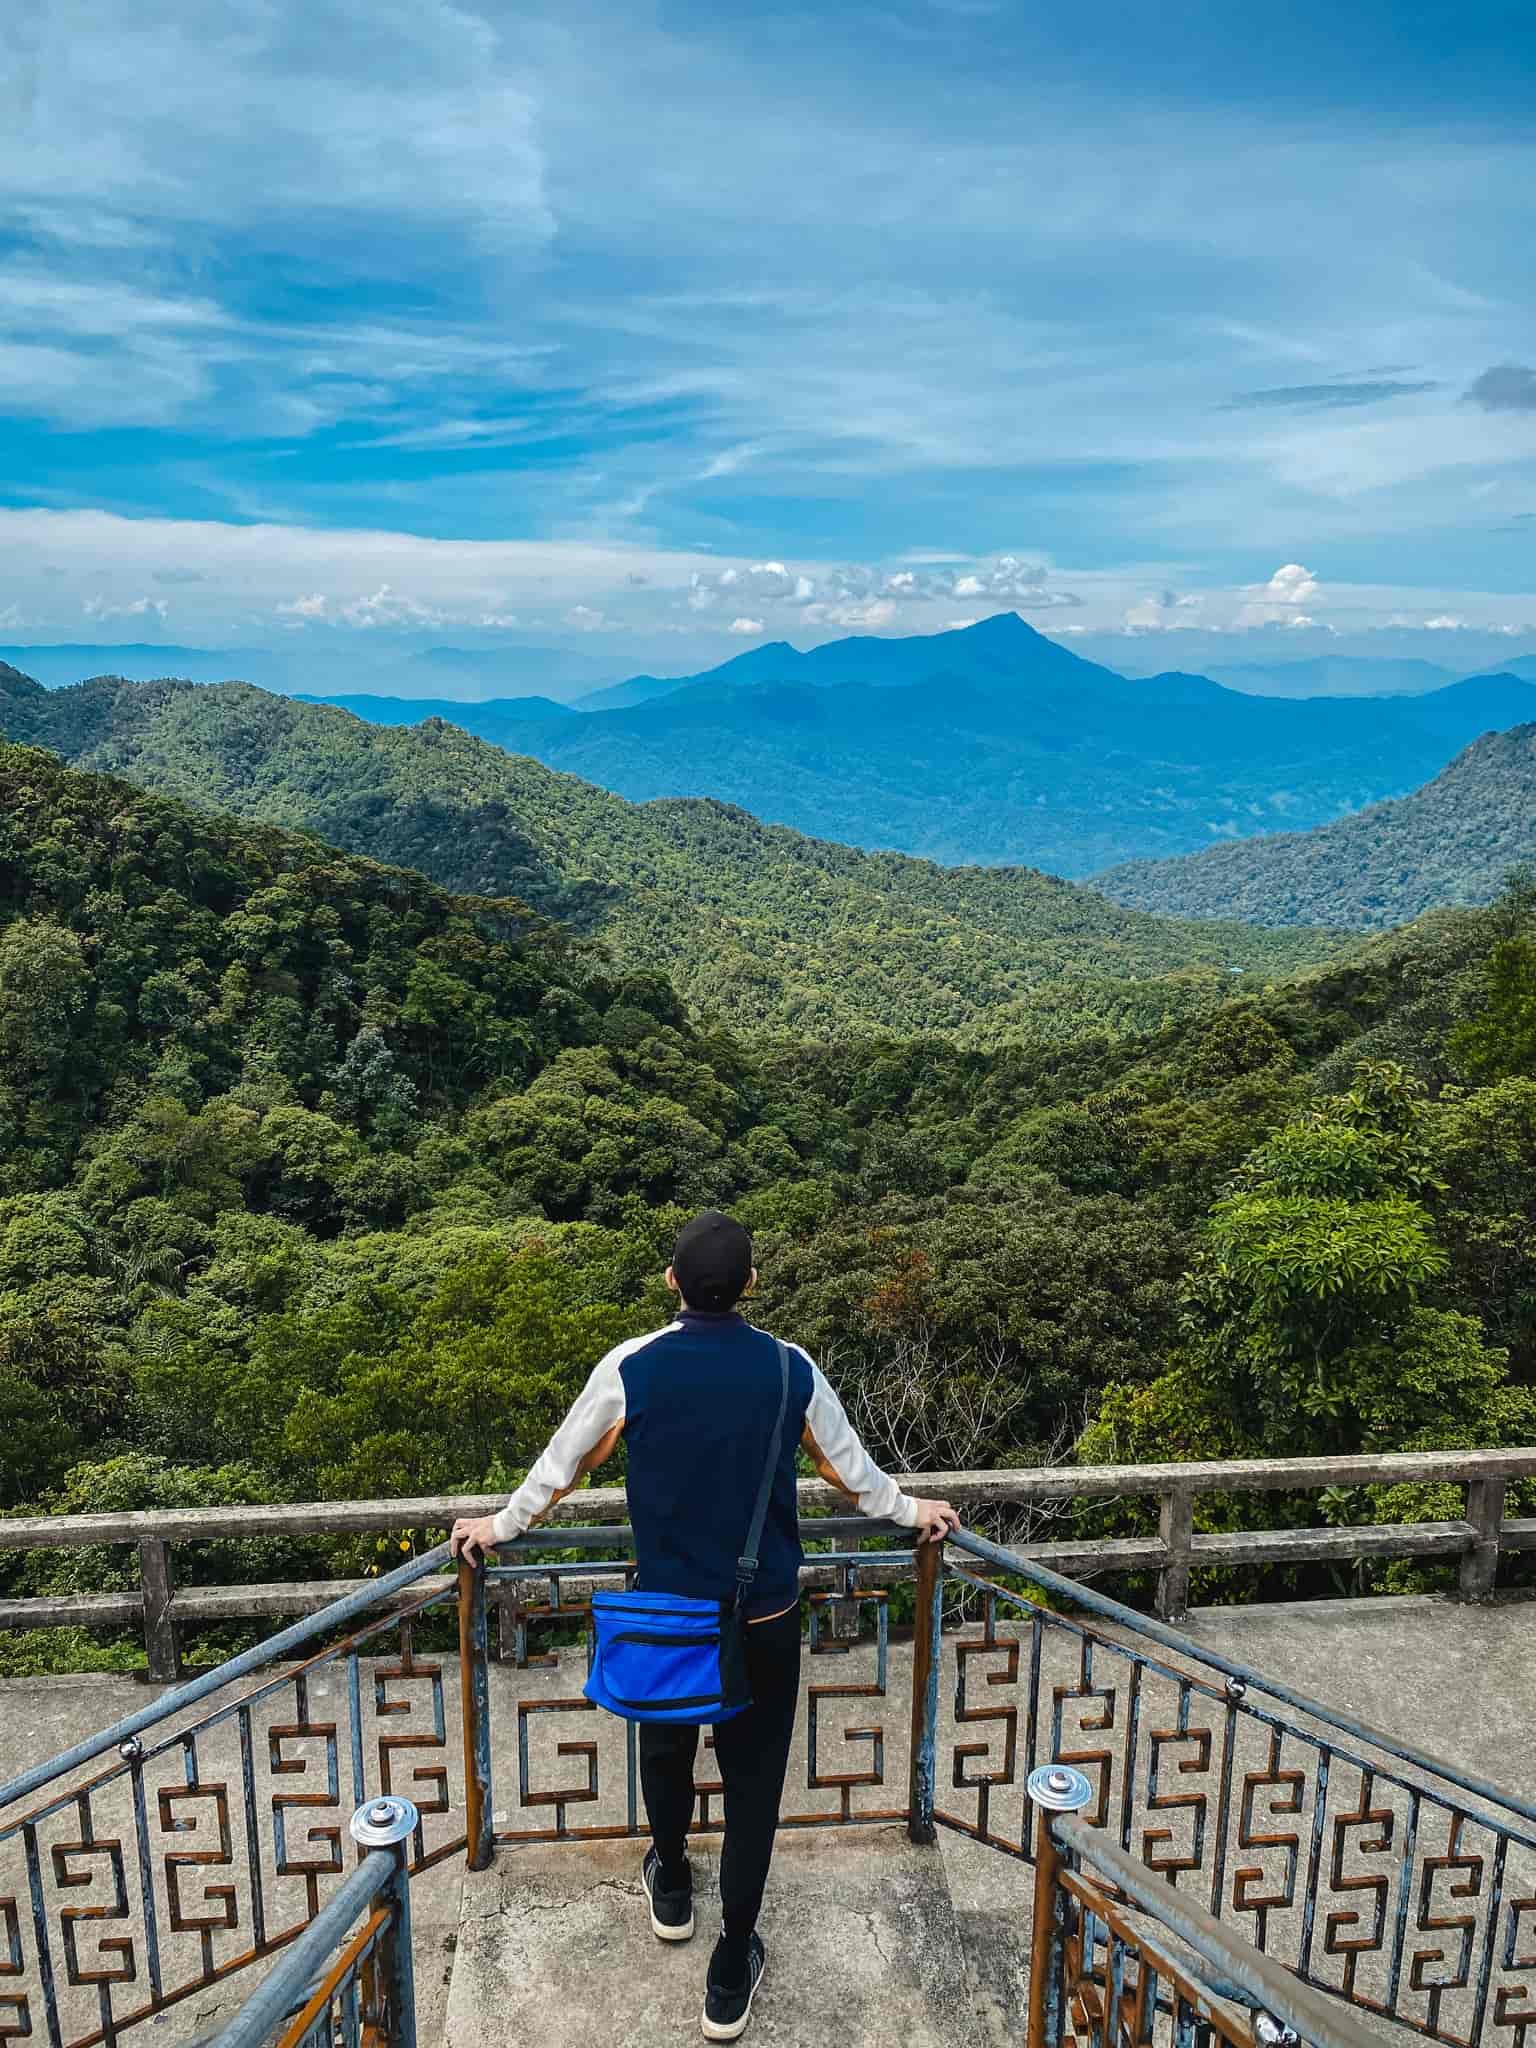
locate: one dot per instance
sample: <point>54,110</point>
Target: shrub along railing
<point>162,1608</point>
<point>204,1833</point>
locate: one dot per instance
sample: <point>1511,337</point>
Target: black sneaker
<point>726,2012</point>
<point>671,1912</point>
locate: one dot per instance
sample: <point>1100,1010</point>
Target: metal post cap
<point>383,1822</point>
<point>1059,1789</point>
<point>1270,2032</point>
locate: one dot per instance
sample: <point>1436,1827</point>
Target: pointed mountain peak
<point>1001,627</point>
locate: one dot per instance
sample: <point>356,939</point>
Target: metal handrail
<point>1239,1970</point>
<point>294,1637</point>
<point>290,1982</point>
<point>311,1974</point>
<point>1156,1631</point>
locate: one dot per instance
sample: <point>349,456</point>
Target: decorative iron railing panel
<point>1351,1861</point>
<point>208,1831</point>
<point>576,1775</point>
<point>211,1842</point>
<point>1120,1961</point>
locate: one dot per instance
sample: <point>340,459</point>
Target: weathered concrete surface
<point>1457,1682</point>
<point>859,1929</point>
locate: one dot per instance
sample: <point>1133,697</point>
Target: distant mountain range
<point>498,719</point>
<point>764,927</point>
<point>994,744</point>
<point>1332,675</point>
<point>329,668</point>
<point>1452,842</point>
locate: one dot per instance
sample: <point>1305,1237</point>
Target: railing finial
<point>383,1822</point>
<point>1059,1789</point>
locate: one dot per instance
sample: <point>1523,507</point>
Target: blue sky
<point>656,329</point>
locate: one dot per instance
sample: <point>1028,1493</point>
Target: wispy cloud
<point>1366,392</point>
<point>447,271</point>
<point>1508,387</point>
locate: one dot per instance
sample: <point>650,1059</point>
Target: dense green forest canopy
<point>750,921</point>
<point>318,1180</point>
<point>1452,842</point>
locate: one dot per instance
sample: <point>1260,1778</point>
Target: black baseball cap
<point>712,1261</point>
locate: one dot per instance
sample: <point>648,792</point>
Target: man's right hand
<point>936,1519</point>
<point>471,1537</point>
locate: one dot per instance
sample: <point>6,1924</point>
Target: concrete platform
<point>859,1927</point>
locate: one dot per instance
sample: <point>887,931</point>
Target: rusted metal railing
<point>1401,1883</point>
<point>347,1981</point>
<point>205,1832</point>
<point>1120,1961</point>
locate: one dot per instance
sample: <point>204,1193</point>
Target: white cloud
<point>747,628</point>
<point>178,114</point>
<point>1279,601</point>
<point>387,606</point>
<point>1290,584</point>
<point>585,618</point>
<point>501,621</point>
<point>134,608</point>
<point>859,617</point>
<point>11,616</point>
<point>1446,622</point>
<point>331,577</point>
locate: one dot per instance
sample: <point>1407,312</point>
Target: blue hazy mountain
<point>510,671</point>
<point>1455,841</point>
<point>338,665</point>
<point>996,744</point>
<point>500,719</point>
<point>58,665</point>
<point>1333,675</point>
<point>1002,651</point>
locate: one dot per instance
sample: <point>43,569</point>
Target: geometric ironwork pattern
<point>210,1844</point>
<point>583,1775</point>
<point>1340,1861</point>
<point>211,1847</point>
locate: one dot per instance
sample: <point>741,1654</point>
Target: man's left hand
<point>471,1537</point>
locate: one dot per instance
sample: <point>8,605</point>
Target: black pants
<point>752,1749</point>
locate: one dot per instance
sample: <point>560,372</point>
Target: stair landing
<point>869,1940</point>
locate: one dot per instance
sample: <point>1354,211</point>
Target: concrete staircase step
<point>863,1942</point>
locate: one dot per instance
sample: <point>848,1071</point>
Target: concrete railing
<point>161,1608</point>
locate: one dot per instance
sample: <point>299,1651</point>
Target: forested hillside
<point>1452,842</point>
<point>752,922</point>
<point>315,1180</point>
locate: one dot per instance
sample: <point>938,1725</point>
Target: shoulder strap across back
<point>746,1564</point>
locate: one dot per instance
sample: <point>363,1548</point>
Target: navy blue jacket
<point>695,1403</point>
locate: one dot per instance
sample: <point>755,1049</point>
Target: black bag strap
<point>746,1564</point>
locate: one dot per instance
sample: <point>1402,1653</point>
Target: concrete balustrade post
<point>1176,1527</point>
<point>158,1590</point>
<point>1480,1560</point>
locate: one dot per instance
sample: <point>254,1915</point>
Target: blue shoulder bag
<point>667,1657</point>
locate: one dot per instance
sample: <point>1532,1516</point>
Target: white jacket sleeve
<point>837,1452</point>
<point>594,1412</point>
